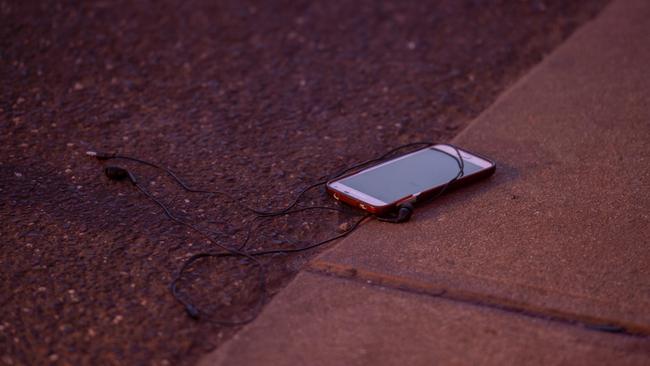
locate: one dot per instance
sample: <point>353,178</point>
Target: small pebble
<point>73,295</point>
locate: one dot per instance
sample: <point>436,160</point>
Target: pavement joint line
<point>325,268</point>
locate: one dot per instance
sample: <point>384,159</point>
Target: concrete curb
<point>541,242</point>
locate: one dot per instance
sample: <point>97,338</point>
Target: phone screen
<point>407,175</point>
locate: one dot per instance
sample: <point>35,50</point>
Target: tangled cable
<point>121,174</point>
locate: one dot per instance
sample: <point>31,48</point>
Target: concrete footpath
<point>546,262</point>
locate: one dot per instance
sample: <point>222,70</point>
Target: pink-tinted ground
<point>545,263</point>
<point>256,99</point>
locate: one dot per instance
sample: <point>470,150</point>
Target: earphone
<point>118,174</point>
<point>404,212</point>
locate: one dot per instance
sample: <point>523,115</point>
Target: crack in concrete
<point>477,298</point>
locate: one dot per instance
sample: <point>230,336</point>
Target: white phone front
<point>408,175</point>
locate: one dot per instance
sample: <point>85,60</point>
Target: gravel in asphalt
<point>256,99</point>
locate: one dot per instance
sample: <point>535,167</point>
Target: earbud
<point>404,213</point>
<point>192,311</point>
<point>101,155</point>
<point>117,173</point>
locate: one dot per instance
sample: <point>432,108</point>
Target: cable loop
<point>403,214</point>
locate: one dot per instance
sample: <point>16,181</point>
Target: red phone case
<point>380,210</point>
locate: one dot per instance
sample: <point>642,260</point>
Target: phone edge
<point>378,210</point>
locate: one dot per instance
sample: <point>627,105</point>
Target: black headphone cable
<point>403,214</point>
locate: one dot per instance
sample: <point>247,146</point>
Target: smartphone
<point>414,176</point>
